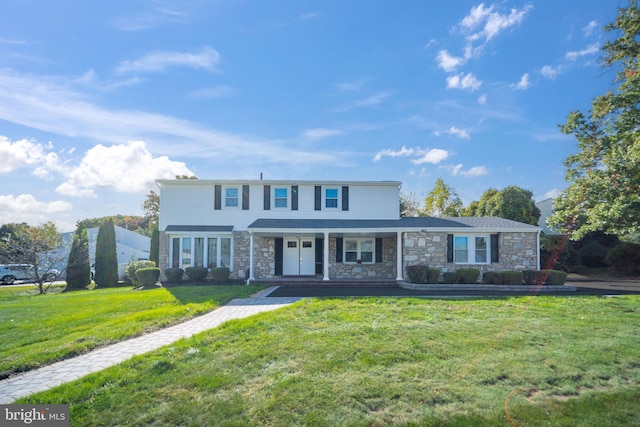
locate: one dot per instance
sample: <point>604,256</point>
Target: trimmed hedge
<point>148,276</point>
<point>511,277</point>
<point>555,277</point>
<point>450,277</point>
<point>220,274</point>
<point>422,274</point>
<point>534,277</point>
<point>491,278</point>
<point>174,275</point>
<point>133,266</point>
<point>196,273</point>
<point>468,276</point>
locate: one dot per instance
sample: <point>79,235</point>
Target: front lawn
<point>40,329</point>
<point>527,361</point>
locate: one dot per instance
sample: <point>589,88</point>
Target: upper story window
<point>280,198</point>
<point>231,197</point>
<point>331,198</point>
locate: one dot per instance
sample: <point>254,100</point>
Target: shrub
<point>534,277</point>
<point>417,273</point>
<point>220,274</point>
<point>148,276</point>
<point>434,275</point>
<point>450,277</point>
<point>196,273</point>
<point>491,278</point>
<point>593,254</point>
<point>106,261</point>
<point>624,258</point>
<point>130,272</point>
<point>468,275</point>
<point>554,277</point>
<point>174,275</point>
<point>511,277</point>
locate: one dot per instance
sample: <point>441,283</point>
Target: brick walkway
<point>71,369</point>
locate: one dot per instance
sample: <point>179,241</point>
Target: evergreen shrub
<point>624,258</point>
<point>133,266</point>
<point>554,277</point>
<point>450,277</point>
<point>422,274</point>
<point>196,273</point>
<point>148,276</point>
<point>220,274</point>
<point>468,276</point>
<point>511,277</point>
<point>534,277</point>
<point>174,275</point>
<point>491,278</point>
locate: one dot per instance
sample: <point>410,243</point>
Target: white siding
<point>185,204</point>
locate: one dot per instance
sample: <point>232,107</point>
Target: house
<point>333,230</point>
<point>129,246</point>
<point>546,210</point>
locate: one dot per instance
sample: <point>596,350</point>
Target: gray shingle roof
<point>201,228</point>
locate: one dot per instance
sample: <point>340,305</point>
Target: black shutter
<point>379,249</point>
<point>449,247</point>
<point>338,249</point>
<point>294,197</point>
<point>279,253</point>
<point>494,248</point>
<point>245,197</point>
<point>267,197</point>
<point>319,254</point>
<point>318,201</point>
<point>345,198</point>
<point>217,201</point>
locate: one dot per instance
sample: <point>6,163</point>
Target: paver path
<point>71,369</point>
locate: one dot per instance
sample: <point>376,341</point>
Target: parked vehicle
<point>9,273</point>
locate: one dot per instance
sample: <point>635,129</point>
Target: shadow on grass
<point>219,294</point>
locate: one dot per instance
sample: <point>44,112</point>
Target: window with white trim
<point>200,251</point>
<point>471,249</point>
<point>359,251</point>
<point>331,198</point>
<point>231,197</point>
<point>280,197</point>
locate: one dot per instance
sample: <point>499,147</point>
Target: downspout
<point>538,251</point>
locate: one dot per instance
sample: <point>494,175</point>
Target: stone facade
<point>517,251</point>
<point>381,270</point>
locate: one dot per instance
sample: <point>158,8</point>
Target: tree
<point>443,200</point>
<point>78,268</point>
<point>154,250</point>
<point>409,206</point>
<point>604,175</point>
<point>512,203</point>
<point>39,246</point>
<point>106,267</point>
<point>151,208</point>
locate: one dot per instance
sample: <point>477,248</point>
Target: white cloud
<point>321,133</point>
<point>25,152</point>
<point>26,208</point>
<point>454,131</point>
<point>462,81</point>
<point>551,194</point>
<point>214,92</point>
<point>486,23</point>
<point>472,172</point>
<point>524,82</point>
<point>403,152</point>
<point>448,62</point>
<point>367,102</point>
<point>589,50</point>
<point>550,72</point>
<point>482,99</point>
<point>207,59</point>
<point>434,156</point>
<point>588,29</point>
<point>125,168</point>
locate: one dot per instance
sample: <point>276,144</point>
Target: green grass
<point>569,361</point>
<point>40,329</point>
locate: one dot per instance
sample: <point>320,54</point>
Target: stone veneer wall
<point>380,270</point>
<point>517,251</point>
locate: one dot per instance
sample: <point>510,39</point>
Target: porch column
<point>325,257</point>
<point>251,276</point>
<point>399,267</point>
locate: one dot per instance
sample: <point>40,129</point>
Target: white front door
<point>299,257</point>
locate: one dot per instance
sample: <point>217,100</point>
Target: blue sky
<point>98,99</point>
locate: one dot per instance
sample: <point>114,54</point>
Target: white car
<point>9,273</point>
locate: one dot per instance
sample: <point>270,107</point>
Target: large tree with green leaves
<point>604,176</point>
<point>78,268</point>
<point>442,201</point>
<point>106,267</point>
<point>512,203</point>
